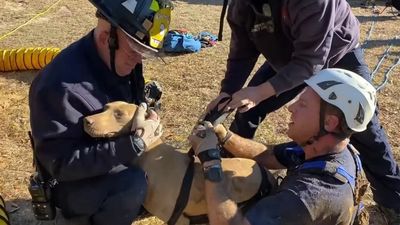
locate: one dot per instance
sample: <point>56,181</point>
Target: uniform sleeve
<point>312,27</point>
<point>284,208</point>
<point>243,54</point>
<point>62,146</point>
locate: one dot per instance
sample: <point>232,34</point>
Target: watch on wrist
<point>213,173</point>
<point>139,146</point>
<point>209,155</point>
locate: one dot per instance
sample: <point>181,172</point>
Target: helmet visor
<point>140,48</point>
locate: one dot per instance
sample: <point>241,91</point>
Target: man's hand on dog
<point>146,124</point>
<point>203,137</point>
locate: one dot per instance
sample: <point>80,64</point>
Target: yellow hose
<point>3,214</point>
<point>26,59</point>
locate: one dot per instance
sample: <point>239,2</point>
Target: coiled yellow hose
<point>3,214</point>
<point>26,59</point>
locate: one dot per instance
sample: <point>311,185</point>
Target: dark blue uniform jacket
<point>75,84</point>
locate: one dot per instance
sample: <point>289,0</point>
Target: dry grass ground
<point>189,82</point>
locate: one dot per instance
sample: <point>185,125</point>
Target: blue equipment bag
<point>177,42</point>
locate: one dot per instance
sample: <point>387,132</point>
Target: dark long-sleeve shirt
<point>297,37</point>
<point>75,84</point>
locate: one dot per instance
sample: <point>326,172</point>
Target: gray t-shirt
<point>305,198</point>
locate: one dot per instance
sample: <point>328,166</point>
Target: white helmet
<point>348,91</point>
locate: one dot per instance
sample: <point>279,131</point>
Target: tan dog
<point>165,167</point>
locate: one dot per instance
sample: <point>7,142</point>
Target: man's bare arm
<point>221,209</point>
<point>247,148</point>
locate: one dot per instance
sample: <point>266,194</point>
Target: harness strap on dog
<point>184,192</point>
<point>216,115</point>
<point>200,219</point>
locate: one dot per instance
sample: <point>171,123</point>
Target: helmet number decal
<point>160,27</point>
<point>130,5</point>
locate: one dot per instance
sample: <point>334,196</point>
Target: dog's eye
<point>118,114</point>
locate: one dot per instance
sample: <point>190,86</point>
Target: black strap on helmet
<point>322,111</point>
<point>137,84</point>
<point>113,46</point>
<point>322,132</point>
<point>221,20</point>
<point>344,130</point>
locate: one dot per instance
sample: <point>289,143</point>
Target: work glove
<point>203,138</point>
<point>146,125</point>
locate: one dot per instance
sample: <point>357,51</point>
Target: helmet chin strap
<point>136,76</point>
<point>322,131</point>
<point>113,46</point>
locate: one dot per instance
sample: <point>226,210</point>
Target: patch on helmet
<point>360,114</point>
<point>332,96</point>
<point>154,6</point>
<point>130,5</point>
<point>160,27</point>
<point>327,84</point>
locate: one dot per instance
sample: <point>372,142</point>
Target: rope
<point>388,72</point>
<point>364,45</point>
<point>30,20</point>
<point>378,65</point>
<point>387,75</point>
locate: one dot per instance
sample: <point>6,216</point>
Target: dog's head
<point>115,120</point>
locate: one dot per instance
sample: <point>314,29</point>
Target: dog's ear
<point>130,109</point>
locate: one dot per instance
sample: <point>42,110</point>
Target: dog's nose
<point>88,121</point>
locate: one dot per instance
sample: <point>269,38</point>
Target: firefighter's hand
<point>248,97</point>
<point>146,124</point>
<point>214,102</point>
<point>203,137</point>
